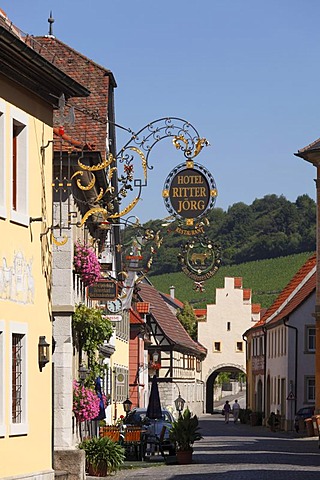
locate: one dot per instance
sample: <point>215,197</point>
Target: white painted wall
<point>230,308</point>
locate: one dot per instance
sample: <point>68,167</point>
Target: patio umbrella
<point>154,406</point>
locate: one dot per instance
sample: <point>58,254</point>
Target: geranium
<point>154,366</point>
<point>120,420</point>
<point>86,264</point>
<point>86,403</point>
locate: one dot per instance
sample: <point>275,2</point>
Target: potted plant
<point>86,264</point>
<point>183,433</point>
<point>103,456</point>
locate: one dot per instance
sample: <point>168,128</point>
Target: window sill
<point>19,218</point>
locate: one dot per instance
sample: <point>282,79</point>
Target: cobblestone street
<point>241,452</point>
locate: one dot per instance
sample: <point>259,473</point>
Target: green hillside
<point>266,279</point>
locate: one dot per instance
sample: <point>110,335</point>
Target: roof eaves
<point>25,66</point>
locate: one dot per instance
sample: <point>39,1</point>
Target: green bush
<point>102,453</point>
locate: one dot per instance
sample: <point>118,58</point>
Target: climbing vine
<point>90,331</point>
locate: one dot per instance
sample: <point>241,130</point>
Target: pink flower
<point>86,264</point>
<point>86,402</point>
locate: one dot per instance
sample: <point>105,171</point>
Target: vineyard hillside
<point>266,279</point>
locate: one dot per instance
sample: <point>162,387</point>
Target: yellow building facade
<point>29,90</point>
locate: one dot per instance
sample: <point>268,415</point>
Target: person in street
<point>227,410</point>
<point>235,411</point>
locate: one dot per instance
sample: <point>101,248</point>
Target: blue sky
<point>244,73</point>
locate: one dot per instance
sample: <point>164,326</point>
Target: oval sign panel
<point>189,192</point>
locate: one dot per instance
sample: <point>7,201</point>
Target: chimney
<point>172,288</point>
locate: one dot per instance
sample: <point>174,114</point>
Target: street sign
<point>291,396</point>
<point>113,318</point>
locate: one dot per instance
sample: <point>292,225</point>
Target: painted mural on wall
<point>16,280</point>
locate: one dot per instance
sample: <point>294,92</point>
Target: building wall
<point>25,285</point>
<point>225,324</point>
<point>285,371</point>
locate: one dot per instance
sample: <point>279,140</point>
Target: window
<point>19,167</point>
<point>228,326</point>
<point>121,387</point>
<point>2,161</point>
<point>198,365</point>
<point>239,347</point>
<point>18,387</point>
<point>311,339</point>
<point>217,346</point>
<point>310,389</point>
<point>2,392</point>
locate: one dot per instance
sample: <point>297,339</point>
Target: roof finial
<point>50,21</point>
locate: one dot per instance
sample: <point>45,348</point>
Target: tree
<point>188,320</point>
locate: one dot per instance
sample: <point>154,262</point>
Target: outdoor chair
<point>158,444</point>
<point>133,441</point>
<point>110,431</point>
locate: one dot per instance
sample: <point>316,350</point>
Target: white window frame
<point>20,215</point>
<point>2,384</point>
<point>21,428</point>
<point>308,349</point>
<point>3,210</point>
<point>307,380</point>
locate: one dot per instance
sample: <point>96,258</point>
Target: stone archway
<point>212,375</point>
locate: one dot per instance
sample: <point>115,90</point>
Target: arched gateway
<point>221,333</point>
<point>210,391</point>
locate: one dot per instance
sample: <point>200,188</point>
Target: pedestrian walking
<point>227,410</point>
<point>235,411</point>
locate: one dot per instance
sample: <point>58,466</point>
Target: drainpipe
<point>246,342</point>
<point>265,371</point>
<point>295,363</point>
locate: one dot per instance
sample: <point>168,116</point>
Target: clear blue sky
<point>245,73</point>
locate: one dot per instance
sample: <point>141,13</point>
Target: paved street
<point>240,452</point>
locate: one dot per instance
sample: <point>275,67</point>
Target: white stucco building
<point>221,332</point>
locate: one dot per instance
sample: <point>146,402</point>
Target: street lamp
<point>127,404</point>
<point>179,403</point>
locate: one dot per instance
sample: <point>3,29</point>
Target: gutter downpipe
<point>295,363</point>
<point>264,329</point>
<point>246,342</point>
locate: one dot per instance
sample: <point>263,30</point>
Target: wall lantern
<point>155,357</point>
<point>83,373</point>
<point>43,352</point>
<point>179,403</point>
<point>127,404</point>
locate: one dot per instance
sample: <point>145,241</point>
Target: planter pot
<point>100,471</point>
<point>184,457</point>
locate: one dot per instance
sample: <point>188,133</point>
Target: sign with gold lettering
<point>103,290</point>
<point>189,191</point>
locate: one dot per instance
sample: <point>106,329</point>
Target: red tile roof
<point>173,301</point>
<point>135,318</point>
<point>143,307</point>
<point>297,290</point>
<point>298,298</point>
<point>237,282</point>
<point>255,308</point>
<point>246,294</point>
<point>168,322</point>
<point>98,80</point>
